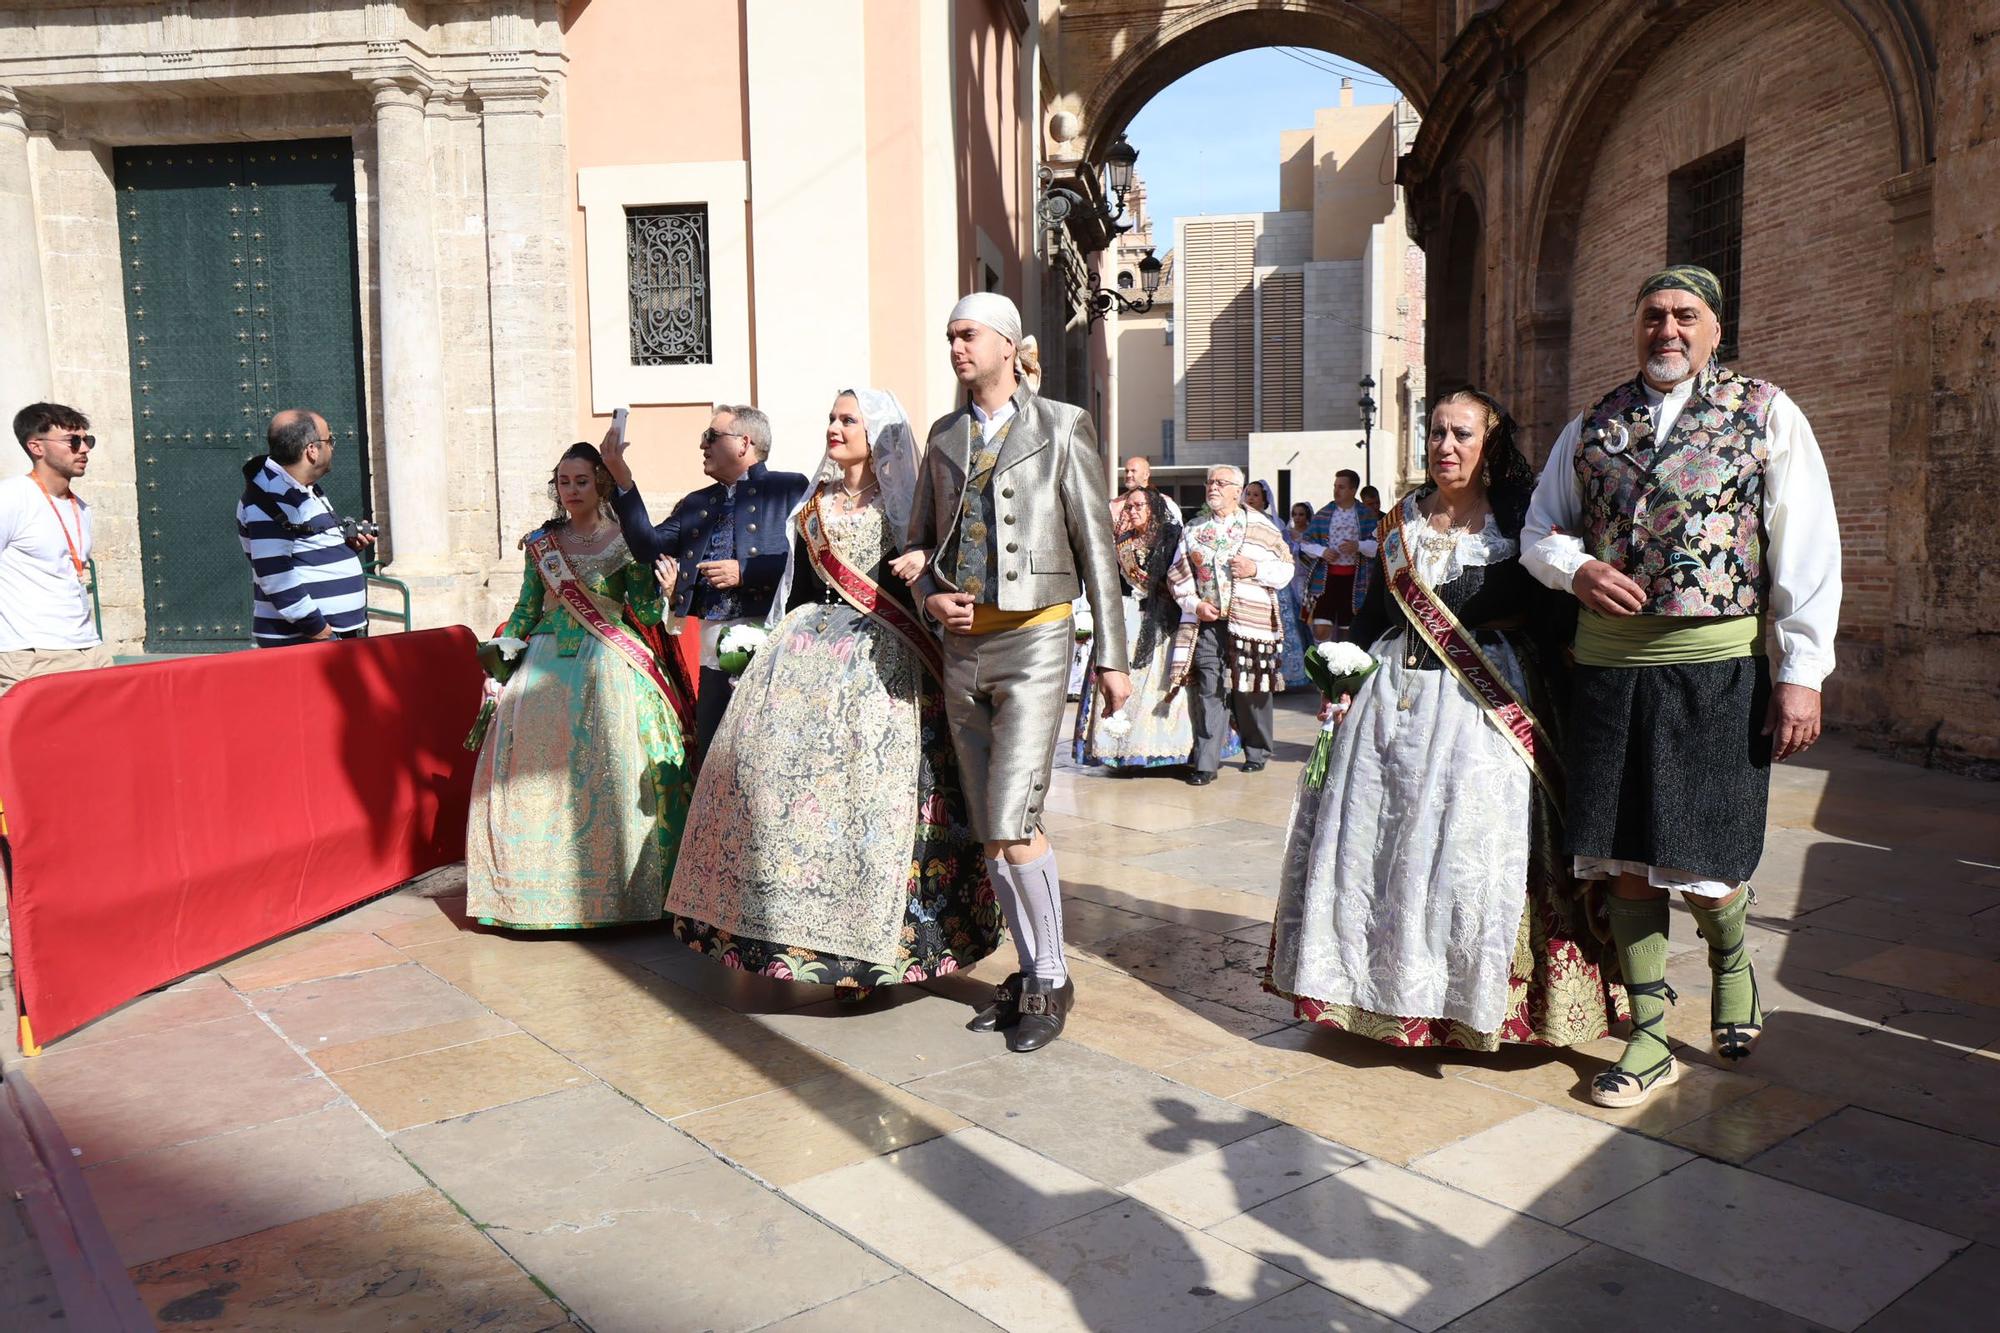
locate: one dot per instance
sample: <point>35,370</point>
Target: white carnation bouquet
<point>498,657</point>
<point>739,643</point>
<point>1337,668</point>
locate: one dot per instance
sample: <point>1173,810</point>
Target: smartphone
<point>618,423</point>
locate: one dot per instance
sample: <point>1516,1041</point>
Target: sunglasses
<point>73,441</point>
<point>711,435</point>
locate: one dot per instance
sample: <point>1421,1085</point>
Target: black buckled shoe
<point>1004,1012</point>
<point>1044,1008</point>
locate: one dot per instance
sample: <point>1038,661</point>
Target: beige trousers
<point>24,663</point>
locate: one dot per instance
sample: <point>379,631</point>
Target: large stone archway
<point>1117,55</point>
<point>1519,99</point>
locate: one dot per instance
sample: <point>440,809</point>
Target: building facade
<point>1834,157</point>
<point>1283,314</point>
<point>466,231</point>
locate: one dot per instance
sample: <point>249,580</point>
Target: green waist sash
<point>1633,641</point>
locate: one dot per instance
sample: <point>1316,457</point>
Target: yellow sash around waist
<point>988,619</point>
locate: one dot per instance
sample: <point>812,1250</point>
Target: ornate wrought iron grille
<point>1705,212</point>
<point>667,251</point>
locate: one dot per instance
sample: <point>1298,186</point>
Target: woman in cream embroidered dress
<point>581,788</point>
<point>828,840</point>
<point>1149,542</point>
<point>1424,899</point>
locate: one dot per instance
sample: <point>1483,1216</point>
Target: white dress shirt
<point>992,421</point>
<point>1802,534</point>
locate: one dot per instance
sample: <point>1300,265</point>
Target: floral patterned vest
<point>1683,516</point>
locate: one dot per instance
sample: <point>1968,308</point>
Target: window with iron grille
<point>666,249</point>
<point>1705,227</point>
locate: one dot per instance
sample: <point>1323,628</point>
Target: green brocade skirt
<point>579,797</point>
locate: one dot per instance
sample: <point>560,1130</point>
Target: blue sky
<point>1209,142</point>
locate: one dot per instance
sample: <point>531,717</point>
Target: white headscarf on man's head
<point>892,448</point>
<point>1000,314</point>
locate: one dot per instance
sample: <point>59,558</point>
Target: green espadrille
<point>1639,928</point>
<point>1735,1013</point>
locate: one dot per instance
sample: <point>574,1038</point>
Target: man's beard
<point>1669,366</point>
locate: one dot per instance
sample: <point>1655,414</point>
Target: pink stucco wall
<point>650,83</point>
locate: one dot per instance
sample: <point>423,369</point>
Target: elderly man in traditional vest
<point>1009,523</point>
<point>1689,512</point>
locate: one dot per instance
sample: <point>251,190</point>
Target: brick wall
<point>1798,89</point>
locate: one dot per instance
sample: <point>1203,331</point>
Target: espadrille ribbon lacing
<point>1628,1087</point>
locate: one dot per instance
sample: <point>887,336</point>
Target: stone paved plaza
<point>400,1121</point>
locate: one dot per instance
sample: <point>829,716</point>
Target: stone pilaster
<point>412,340</point>
<point>24,318</point>
<point>527,288</point>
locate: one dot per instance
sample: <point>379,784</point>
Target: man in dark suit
<point>727,541</point>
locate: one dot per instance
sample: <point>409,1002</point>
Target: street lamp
<point>1367,405</point>
<point>1118,160</point>
<point>1101,300</point>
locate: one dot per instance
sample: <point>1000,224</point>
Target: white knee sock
<point>1019,925</point>
<point>1039,890</point>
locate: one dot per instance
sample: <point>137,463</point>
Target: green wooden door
<point>240,301</point>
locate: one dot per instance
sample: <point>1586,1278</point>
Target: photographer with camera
<point>305,575</point>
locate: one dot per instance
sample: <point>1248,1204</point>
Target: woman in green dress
<point>582,784</point>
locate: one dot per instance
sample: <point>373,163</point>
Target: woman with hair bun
<point>1424,897</point>
<point>582,784</point>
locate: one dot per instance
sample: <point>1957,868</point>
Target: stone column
<point>412,342</point>
<point>527,239</point>
<point>24,317</point>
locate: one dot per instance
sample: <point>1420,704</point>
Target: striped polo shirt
<point>304,575</point>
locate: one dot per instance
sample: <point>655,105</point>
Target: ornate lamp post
<point>1367,406</point>
<point>1103,300</point>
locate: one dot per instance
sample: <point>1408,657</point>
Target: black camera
<point>352,528</point>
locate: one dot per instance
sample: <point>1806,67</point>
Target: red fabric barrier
<point>166,816</point>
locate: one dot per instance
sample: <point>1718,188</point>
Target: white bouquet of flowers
<point>1116,725</point>
<point>497,657</point>
<point>1345,659</point>
<point>1338,668</point>
<point>1086,625</point>
<point>738,645</point>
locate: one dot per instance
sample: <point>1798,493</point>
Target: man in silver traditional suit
<point>1012,522</point>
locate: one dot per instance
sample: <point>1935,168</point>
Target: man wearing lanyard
<point>45,620</point>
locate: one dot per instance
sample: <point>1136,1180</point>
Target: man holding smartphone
<point>723,548</point>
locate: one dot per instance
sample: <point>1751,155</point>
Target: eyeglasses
<point>711,435</point>
<point>1217,483</point>
<point>73,441</point>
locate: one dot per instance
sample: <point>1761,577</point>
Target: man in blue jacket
<point>729,541</point>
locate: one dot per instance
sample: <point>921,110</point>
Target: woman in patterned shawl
<point>1424,897</point>
<point>828,841</point>
<point>582,782</point>
<point>1153,731</point>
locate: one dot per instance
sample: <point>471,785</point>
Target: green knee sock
<point>1639,928</point>
<point>1728,961</point>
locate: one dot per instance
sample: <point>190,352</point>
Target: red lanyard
<point>75,557</point>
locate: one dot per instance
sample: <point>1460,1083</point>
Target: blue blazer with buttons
<point>763,501</point>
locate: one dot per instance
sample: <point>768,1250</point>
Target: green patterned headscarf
<point>1686,278</point>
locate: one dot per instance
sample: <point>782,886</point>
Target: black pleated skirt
<point>1669,766</point>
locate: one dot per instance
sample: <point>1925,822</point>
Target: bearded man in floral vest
<point>1689,512</point>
